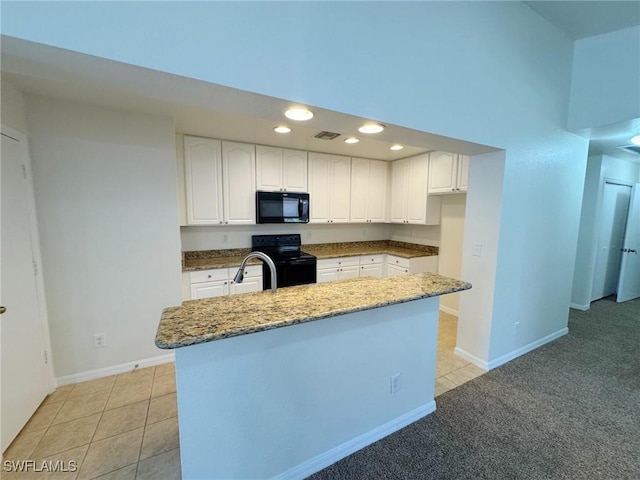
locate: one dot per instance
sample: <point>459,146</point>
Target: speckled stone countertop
<point>348,249</point>
<point>201,321</point>
<point>206,259</point>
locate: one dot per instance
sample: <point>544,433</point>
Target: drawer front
<point>338,262</point>
<point>398,261</point>
<point>250,271</point>
<point>371,259</point>
<point>209,275</point>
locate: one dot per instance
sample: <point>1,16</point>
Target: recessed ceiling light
<point>298,113</point>
<point>371,128</point>
<point>396,147</point>
<point>636,140</point>
<point>351,140</point>
<point>282,129</point>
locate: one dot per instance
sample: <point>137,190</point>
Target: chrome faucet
<point>266,259</point>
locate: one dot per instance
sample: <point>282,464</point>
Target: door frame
<point>598,225</point>
<point>35,252</point>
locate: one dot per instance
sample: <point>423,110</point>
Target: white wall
<point>599,169</point>
<point>606,78</point>
<point>106,200</point>
<point>450,253</point>
<point>494,73</point>
<point>13,108</point>
<point>287,402</point>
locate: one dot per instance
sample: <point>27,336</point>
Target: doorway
<point>614,214</point>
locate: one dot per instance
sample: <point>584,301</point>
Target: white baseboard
<point>105,372</point>
<point>330,457</point>
<point>448,310</point>
<point>580,307</point>
<point>511,355</point>
<point>471,358</point>
<point>527,348</point>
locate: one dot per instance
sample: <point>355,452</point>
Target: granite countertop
<point>206,259</point>
<point>201,321</point>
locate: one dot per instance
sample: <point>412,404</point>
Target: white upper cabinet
<point>281,169</point>
<point>329,188</point>
<point>220,182</point>
<point>368,191</point>
<point>239,186</point>
<point>203,176</point>
<point>448,173</point>
<point>409,200</point>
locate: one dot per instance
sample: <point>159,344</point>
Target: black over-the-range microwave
<point>282,207</point>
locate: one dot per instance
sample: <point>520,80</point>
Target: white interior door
<point>629,284</point>
<point>25,376</point>
<point>615,207</point>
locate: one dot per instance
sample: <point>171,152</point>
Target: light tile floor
<point>125,427</point>
<point>122,427</point>
<point>451,370</point>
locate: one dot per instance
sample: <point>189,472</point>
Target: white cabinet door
<point>399,174</point>
<point>294,170</point>
<point>448,173</point>
<point>252,281</point>
<point>281,170</point>
<point>359,190</point>
<point>239,183</point>
<point>349,272</point>
<point>463,172</point>
<point>417,189</point>
<point>373,270</point>
<point>395,270</point>
<point>216,288</point>
<point>319,192</point>
<point>203,175</point>
<point>443,172</point>
<point>368,191</point>
<point>329,188</point>
<point>340,188</point>
<point>327,275</point>
<point>378,179</point>
<point>268,168</point>
<point>249,284</point>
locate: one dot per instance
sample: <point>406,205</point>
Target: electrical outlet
<point>477,250</point>
<point>395,383</point>
<point>516,328</point>
<point>99,340</point>
<point>225,238</point>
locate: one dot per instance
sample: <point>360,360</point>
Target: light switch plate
<point>477,250</point>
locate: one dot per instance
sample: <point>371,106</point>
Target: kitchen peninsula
<point>282,385</point>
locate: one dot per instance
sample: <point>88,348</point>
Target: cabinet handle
<point>221,222</point>
<point>208,276</point>
<point>2,309</point>
<point>226,283</point>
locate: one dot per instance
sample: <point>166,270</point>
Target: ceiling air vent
<point>326,135</point>
<point>631,149</point>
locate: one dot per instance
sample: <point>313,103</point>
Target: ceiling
<point>204,109</point>
<point>580,19</point>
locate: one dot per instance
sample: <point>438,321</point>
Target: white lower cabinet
<point>219,282</point>
<point>406,266</point>
<point>379,266</point>
<point>331,269</point>
<point>372,266</point>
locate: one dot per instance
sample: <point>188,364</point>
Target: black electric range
<point>293,266</point>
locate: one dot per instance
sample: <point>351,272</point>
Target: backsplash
<point>215,238</point>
